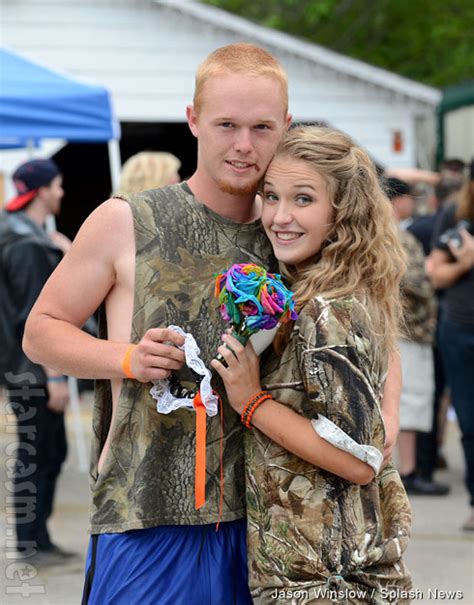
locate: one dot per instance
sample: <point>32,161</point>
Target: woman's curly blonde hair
<point>149,170</point>
<point>362,255</point>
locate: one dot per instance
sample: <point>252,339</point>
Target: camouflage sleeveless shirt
<point>147,477</point>
<point>309,531</point>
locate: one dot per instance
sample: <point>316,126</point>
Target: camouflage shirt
<point>418,293</point>
<point>147,478</point>
<point>309,530</point>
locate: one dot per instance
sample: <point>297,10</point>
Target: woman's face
<point>297,213</point>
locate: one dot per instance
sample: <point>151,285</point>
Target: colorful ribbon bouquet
<point>251,299</point>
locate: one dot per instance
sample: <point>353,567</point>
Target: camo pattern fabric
<point>310,533</point>
<point>418,293</point>
<point>147,478</point>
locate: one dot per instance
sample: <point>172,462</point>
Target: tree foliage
<point>427,40</point>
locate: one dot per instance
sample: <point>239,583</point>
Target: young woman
<point>325,523</point>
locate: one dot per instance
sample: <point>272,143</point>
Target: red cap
<point>20,200</point>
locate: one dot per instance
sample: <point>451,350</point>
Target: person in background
<point>322,515</point>
<point>416,403</point>
<point>149,170</point>
<point>451,267</point>
<point>38,393</point>
<point>403,203</point>
<point>453,169</point>
<point>428,444</point>
<point>443,193</point>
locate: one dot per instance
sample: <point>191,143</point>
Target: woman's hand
<point>242,376</point>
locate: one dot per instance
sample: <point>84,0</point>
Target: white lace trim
<point>334,435</point>
<point>166,403</point>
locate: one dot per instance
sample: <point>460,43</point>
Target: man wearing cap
<point>38,395</point>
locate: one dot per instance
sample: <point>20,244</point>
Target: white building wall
<point>459,133</point>
<point>147,55</point>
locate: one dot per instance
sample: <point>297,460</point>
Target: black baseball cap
<point>28,178</point>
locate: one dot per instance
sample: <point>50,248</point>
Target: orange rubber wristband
<point>126,367</point>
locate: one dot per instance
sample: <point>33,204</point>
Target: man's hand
<point>156,355</point>
<point>58,396</point>
<point>464,255</point>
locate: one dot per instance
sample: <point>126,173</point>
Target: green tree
<point>427,40</point>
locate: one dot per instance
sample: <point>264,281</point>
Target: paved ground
<point>440,556</point>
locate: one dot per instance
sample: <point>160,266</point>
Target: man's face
<point>241,121</point>
<point>404,206</point>
<point>53,194</point>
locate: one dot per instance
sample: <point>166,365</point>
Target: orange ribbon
<point>200,465</point>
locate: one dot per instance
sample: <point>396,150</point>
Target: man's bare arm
<point>391,403</point>
<point>88,273</point>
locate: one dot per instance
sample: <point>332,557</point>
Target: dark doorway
<point>175,138</point>
<point>86,180</point>
<point>85,166</point>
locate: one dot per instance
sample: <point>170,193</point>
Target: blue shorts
<point>169,565</point>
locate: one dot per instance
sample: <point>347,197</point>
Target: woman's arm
<point>280,423</point>
<point>391,404</point>
<point>297,435</point>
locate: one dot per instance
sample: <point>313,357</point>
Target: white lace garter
<point>166,402</point>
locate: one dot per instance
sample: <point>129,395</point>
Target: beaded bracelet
<point>252,405</point>
<point>249,404</point>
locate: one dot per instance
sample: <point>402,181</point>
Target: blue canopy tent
<point>38,103</point>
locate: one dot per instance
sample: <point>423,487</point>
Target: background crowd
<point>437,347</point>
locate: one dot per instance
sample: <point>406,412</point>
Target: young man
<point>150,258</point>
<point>38,395</point>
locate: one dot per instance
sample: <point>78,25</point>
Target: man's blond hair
<point>239,58</point>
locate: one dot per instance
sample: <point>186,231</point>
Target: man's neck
<point>238,208</point>
<point>36,212</point>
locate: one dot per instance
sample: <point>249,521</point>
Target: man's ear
<point>289,119</point>
<point>42,191</point>
<point>192,118</point>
